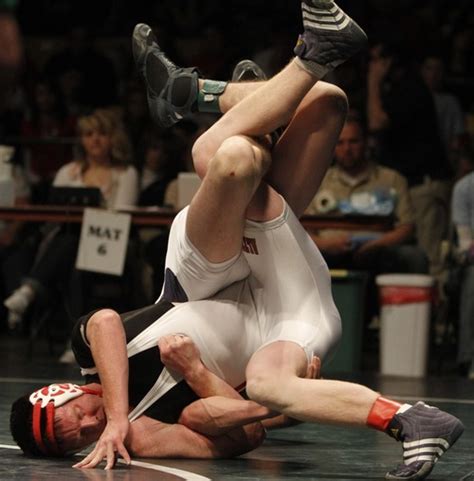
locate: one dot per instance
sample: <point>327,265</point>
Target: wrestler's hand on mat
<point>179,353</point>
<point>109,446</point>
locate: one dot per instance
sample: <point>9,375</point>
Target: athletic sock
<point>208,96</point>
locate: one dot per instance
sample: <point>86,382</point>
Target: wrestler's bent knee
<point>330,97</point>
<point>238,159</point>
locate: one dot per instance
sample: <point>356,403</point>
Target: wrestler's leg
<point>232,171</point>
<point>266,108</point>
<point>216,216</point>
<point>275,378</point>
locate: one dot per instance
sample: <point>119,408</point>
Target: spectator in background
<point>137,121</point>
<point>168,153</point>
<point>86,77</point>
<point>104,163</point>
<point>46,132</point>
<point>162,161</point>
<point>448,108</point>
<point>463,218</point>
<point>405,136</point>
<point>11,49</point>
<point>357,184</point>
<point>16,244</point>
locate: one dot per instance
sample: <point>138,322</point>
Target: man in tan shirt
<point>356,184</point>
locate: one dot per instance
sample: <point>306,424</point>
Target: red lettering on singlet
<point>249,245</point>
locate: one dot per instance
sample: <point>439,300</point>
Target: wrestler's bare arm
<point>221,408</point>
<point>154,439</point>
<point>108,346</point>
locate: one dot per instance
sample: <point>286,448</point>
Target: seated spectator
<point>462,210</point>
<point>103,163</point>
<point>404,130</point>
<point>354,177</point>
<point>44,131</point>
<point>136,120</point>
<point>355,182</point>
<point>15,254</point>
<point>448,109</point>
<point>162,161</point>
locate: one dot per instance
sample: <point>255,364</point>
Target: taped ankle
<point>208,96</point>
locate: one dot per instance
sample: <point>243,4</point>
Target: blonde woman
<point>104,162</point>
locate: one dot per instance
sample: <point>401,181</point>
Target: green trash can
<point>348,290</point>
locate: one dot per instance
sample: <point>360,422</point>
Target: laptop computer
<point>75,196</point>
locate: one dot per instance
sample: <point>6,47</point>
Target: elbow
<point>101,320</point>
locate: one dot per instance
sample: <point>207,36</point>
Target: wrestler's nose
<point>89,423</point>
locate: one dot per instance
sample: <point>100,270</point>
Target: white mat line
<point>186,475</point>
<point>431,399</point>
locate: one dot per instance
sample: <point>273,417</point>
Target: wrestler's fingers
<point>94,458</point>
<point>110,457</point>
<point>86,461</point>
<point>122,450</point>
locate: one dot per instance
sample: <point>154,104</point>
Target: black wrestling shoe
<point>247,71</point>
<point>426,433</point>
<point>171,90</point>
<point>330,36</point>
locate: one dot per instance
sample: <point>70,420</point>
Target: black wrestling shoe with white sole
<point>330,36</point>
<point>171,90</point>
<point>426,433</point>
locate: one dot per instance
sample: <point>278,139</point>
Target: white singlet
<point>288,285</point>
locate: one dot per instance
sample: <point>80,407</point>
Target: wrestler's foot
<point>171,90</point>
<point>426,433</point>
<point>247,70</point>
<point>330,37</point>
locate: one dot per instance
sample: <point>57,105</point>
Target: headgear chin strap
<point>51,397</point>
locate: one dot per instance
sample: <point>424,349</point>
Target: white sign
<point>104,240</point>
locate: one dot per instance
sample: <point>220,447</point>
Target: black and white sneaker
<point>330,36</point>
<point>171,90</point>
<point>426,433</point>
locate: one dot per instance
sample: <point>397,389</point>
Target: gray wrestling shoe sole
<point>161,77</point>
<point>330,36</point>
<point>246,71</point>
<point>426,433</point>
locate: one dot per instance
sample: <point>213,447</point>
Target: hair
<point>21,422</point>
<point>356,117</point>
<point>108,122</point>
<point>59,107</point>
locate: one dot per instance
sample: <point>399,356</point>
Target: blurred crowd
<point>77,115</point>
